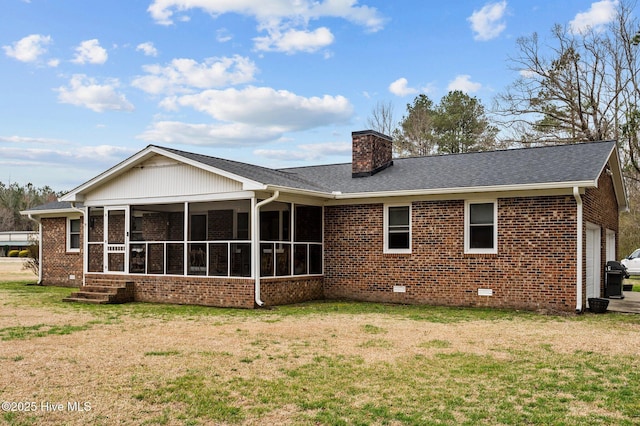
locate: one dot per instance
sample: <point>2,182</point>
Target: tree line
<point>15,198</point>
<point>572,85</point>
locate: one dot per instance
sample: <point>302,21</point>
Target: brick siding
<point>533,269</point>
<point>58,265</point>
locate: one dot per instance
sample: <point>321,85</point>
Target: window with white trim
<point>481,226</point>
<point>73,234</point>
<point>397,228</point>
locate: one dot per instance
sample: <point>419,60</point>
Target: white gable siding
<point>163,177</point>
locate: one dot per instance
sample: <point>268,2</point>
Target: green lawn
<point>324,379</point>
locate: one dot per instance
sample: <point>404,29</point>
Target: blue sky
<point>280,83</point>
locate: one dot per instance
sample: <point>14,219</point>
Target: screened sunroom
<point>212,239</point>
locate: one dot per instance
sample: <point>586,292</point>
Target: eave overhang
<point>77,194</point>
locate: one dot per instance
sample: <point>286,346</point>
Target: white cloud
<point>251,116</point>
<point>223,35</point>
<point>53,63</point>
<point>265,107</point>
<point>306,152</point>
<point>293,41</point>
<point>29,48</point>
<point>147,48</point>
<point>72,157</point>
<point>182,75</point>
<point>487,22</point>
<point>285,21</point>
<point>31,140</point>
<point>90,51</point>
<point>266,12</point>
<point>84,91</point>
<point>220,135</point>
<point>600,14</point>
<point>464,84</point>
<point>400,87</point>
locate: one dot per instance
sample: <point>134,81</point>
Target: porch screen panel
<point>96,258</point>
<point>155,258</point>
<point>197,259</point>
<point>315,259</point>
<point>175,258</point>
<point>300,259</point>
<point>96,225</point>
<point>219,259</point>
<point>137,258</point>
<point>283,259</point>
<point>308,224</point>
<point>241,260</point>
<point>266,260</point>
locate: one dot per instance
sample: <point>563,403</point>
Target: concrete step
<point>92,295</point>
<point>83,300</point>
<point>96,293</point>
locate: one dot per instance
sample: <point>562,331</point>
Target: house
<point>16,240</point>
<point>524,228</point>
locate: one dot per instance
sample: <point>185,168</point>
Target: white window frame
<point>68,235</point>
<point>467,227</point>
<point>386,229</point>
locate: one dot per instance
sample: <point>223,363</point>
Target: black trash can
<point>615,273</point>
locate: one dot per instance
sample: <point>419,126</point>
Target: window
<point>397,233</point>
<point>481,231</point>
<point>73,235</point>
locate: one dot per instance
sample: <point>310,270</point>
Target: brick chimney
<point>372,152</point>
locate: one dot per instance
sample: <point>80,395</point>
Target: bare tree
<point>567,91</point>
<point>415,134</point>
<point>381,118</point>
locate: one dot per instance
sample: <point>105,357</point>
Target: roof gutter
<point>579,238</point>
<point>465,190</point>
<point>255,239</point>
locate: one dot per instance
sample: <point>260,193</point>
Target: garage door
<point>593,260</point>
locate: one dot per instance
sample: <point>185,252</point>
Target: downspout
<point>255,240</point>
<point>576,195</point>
<point>39,246</point>
<point>85,252</point>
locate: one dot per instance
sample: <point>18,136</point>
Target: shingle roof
<point>526,166</point>
<point>55,205</point>
<point>259,174</point>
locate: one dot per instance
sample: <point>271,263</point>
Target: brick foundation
<point>222,292</point>
<point>284,291</point>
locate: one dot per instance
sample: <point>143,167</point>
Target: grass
<point>39,330</point>
<point>305,379</point>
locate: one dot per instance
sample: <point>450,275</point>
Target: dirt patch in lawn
<point>116,367</point>
<point>12,269</point>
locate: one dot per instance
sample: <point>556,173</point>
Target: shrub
<point>23,253</point>
<point>13,253</point>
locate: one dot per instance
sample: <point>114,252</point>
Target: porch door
<point>593,260</point>
<point>116,221</point>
